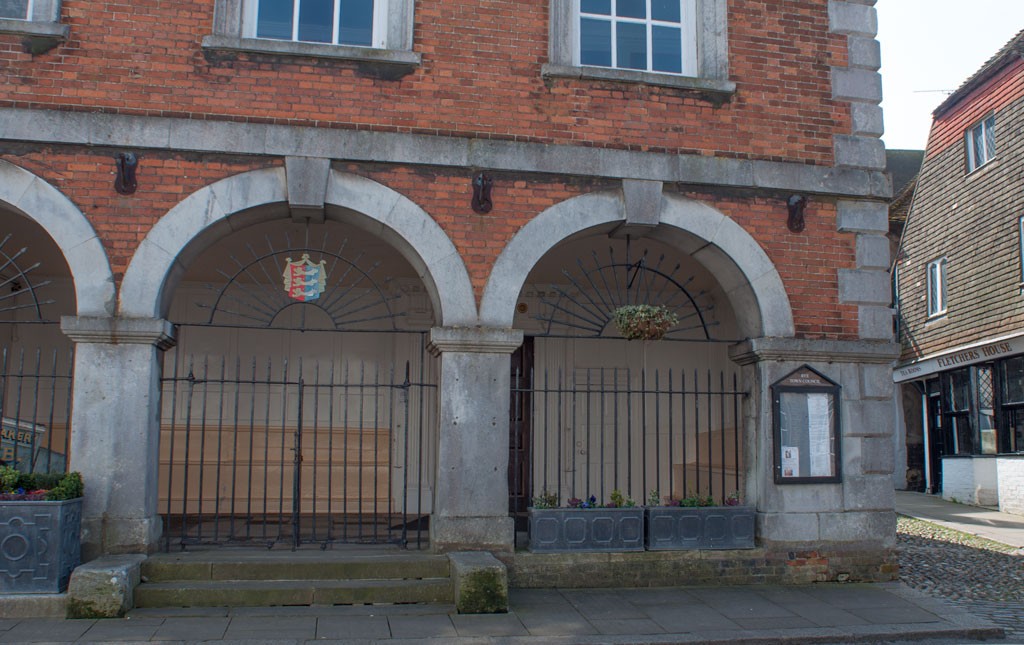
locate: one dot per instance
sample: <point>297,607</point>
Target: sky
<point>930,47</point>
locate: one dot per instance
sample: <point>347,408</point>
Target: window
<point>672,43</point>
<point>15,9</point>
<point>647,35</point>
<point>372,31</point>
<point>37,20</point>
<point>937,287</point>
<point>981,143</point>
<point>335,22</point>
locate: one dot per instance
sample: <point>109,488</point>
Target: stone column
<point>471,491</point>
<point>115,434</point>
<point>854,516</point>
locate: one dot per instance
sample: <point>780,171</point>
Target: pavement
<point>976,520</point>
<point>821,613</point>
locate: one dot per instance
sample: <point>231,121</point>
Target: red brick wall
<point>807,262</point>
<point>480,77</point>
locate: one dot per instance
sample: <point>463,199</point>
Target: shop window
<point>957,411</point>
<point>1013,405</point>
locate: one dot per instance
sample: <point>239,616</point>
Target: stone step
<point>265,593</point>
<point>309,566</point>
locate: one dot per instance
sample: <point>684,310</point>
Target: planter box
<point>709,527</point>
<point>40,545</point>
<point>558,530</point>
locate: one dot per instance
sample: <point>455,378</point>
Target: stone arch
<point>748,277</point>
<point>31,196</point>
<point>239,201</point>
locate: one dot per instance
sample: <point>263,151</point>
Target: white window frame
<point>979,132</point>
<point>688,25</point>
<point>378,39</point>
<point>937,286</point>
<point>41,26</point>
<point>28,12</point>
<point>710,73</point>
<point>234,30</point>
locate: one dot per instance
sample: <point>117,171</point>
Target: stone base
<point>105,587</point>
<point>481,583</point>
<point>106,536</point>
<point>33,605</point>
<point>775,565</point>
<point>494,534</point>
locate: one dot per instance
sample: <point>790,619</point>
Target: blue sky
<point>930,47</point>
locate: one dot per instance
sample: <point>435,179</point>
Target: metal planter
<point>40,545</point>
<point>560,530</point>
<point>709,527</point>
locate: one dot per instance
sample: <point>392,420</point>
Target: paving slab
<point>341,627</point>
<point>489,625</point>
<point>428,626</point>
<point>271,627</point>
<point>203,628</point>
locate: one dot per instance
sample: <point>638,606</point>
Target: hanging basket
<point>644,322</point>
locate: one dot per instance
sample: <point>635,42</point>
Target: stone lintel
<point>474,340</point>
<point>46,127</point>
<point>119,331</point>
<point>757,350</point>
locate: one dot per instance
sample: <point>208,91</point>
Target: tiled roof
<point>1011,50</point>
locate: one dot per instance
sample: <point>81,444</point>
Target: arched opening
<point>624,381</point>
<point>36,359</point>
<point>299,404</point>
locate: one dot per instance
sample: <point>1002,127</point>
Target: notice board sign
<point>806,427</point>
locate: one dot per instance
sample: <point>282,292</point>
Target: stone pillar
<point>856,514</point>
<point>115,433</point>
<point>471,491</point>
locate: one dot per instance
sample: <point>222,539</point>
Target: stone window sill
<point>716,91</point>
<point>39,37</point>
<point>390,62</point>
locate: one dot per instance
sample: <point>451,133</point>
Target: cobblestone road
<point>984,577</point>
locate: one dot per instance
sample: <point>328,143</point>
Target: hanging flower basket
<point>644,322</point>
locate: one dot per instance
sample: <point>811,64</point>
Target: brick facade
<point>229,138</point>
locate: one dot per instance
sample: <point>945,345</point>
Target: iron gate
<point>35,408</point>
<point>295,454</point>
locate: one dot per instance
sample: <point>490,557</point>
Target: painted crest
<point>303,280</point>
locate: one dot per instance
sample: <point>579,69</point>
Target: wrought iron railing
<point>35,408</point>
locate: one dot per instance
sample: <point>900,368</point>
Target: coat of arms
<point>303,280</point>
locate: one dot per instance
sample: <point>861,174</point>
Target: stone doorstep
<point>264,593</point>
<point>279,566</point>
<point>104,587</point>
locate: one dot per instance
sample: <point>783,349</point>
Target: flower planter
<point>707,527</point>
<point>40,545</point>
<point>558,530</point>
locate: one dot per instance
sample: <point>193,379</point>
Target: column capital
<point>474,340</point>
<point>119,331</point>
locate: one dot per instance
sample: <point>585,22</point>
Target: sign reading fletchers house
<point>960,358</point>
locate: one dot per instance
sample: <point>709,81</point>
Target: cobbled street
<point>986,578</point>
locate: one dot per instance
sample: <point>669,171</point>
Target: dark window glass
<point>315,20</point>
<point>595,42</point>
<point>14,9</point>
<point>632,46</point>
<point>631,8</point>
<point>959,391</point>
<point>355,22</point>
<point>667,49</point>
<point>1013,380</point>
<point>990,137</point>
<point>667,10</point>
<point>274,19</point>
<point>603,7</point>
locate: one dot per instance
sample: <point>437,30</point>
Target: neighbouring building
<point>960,274</point>
<point>285,272</point>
